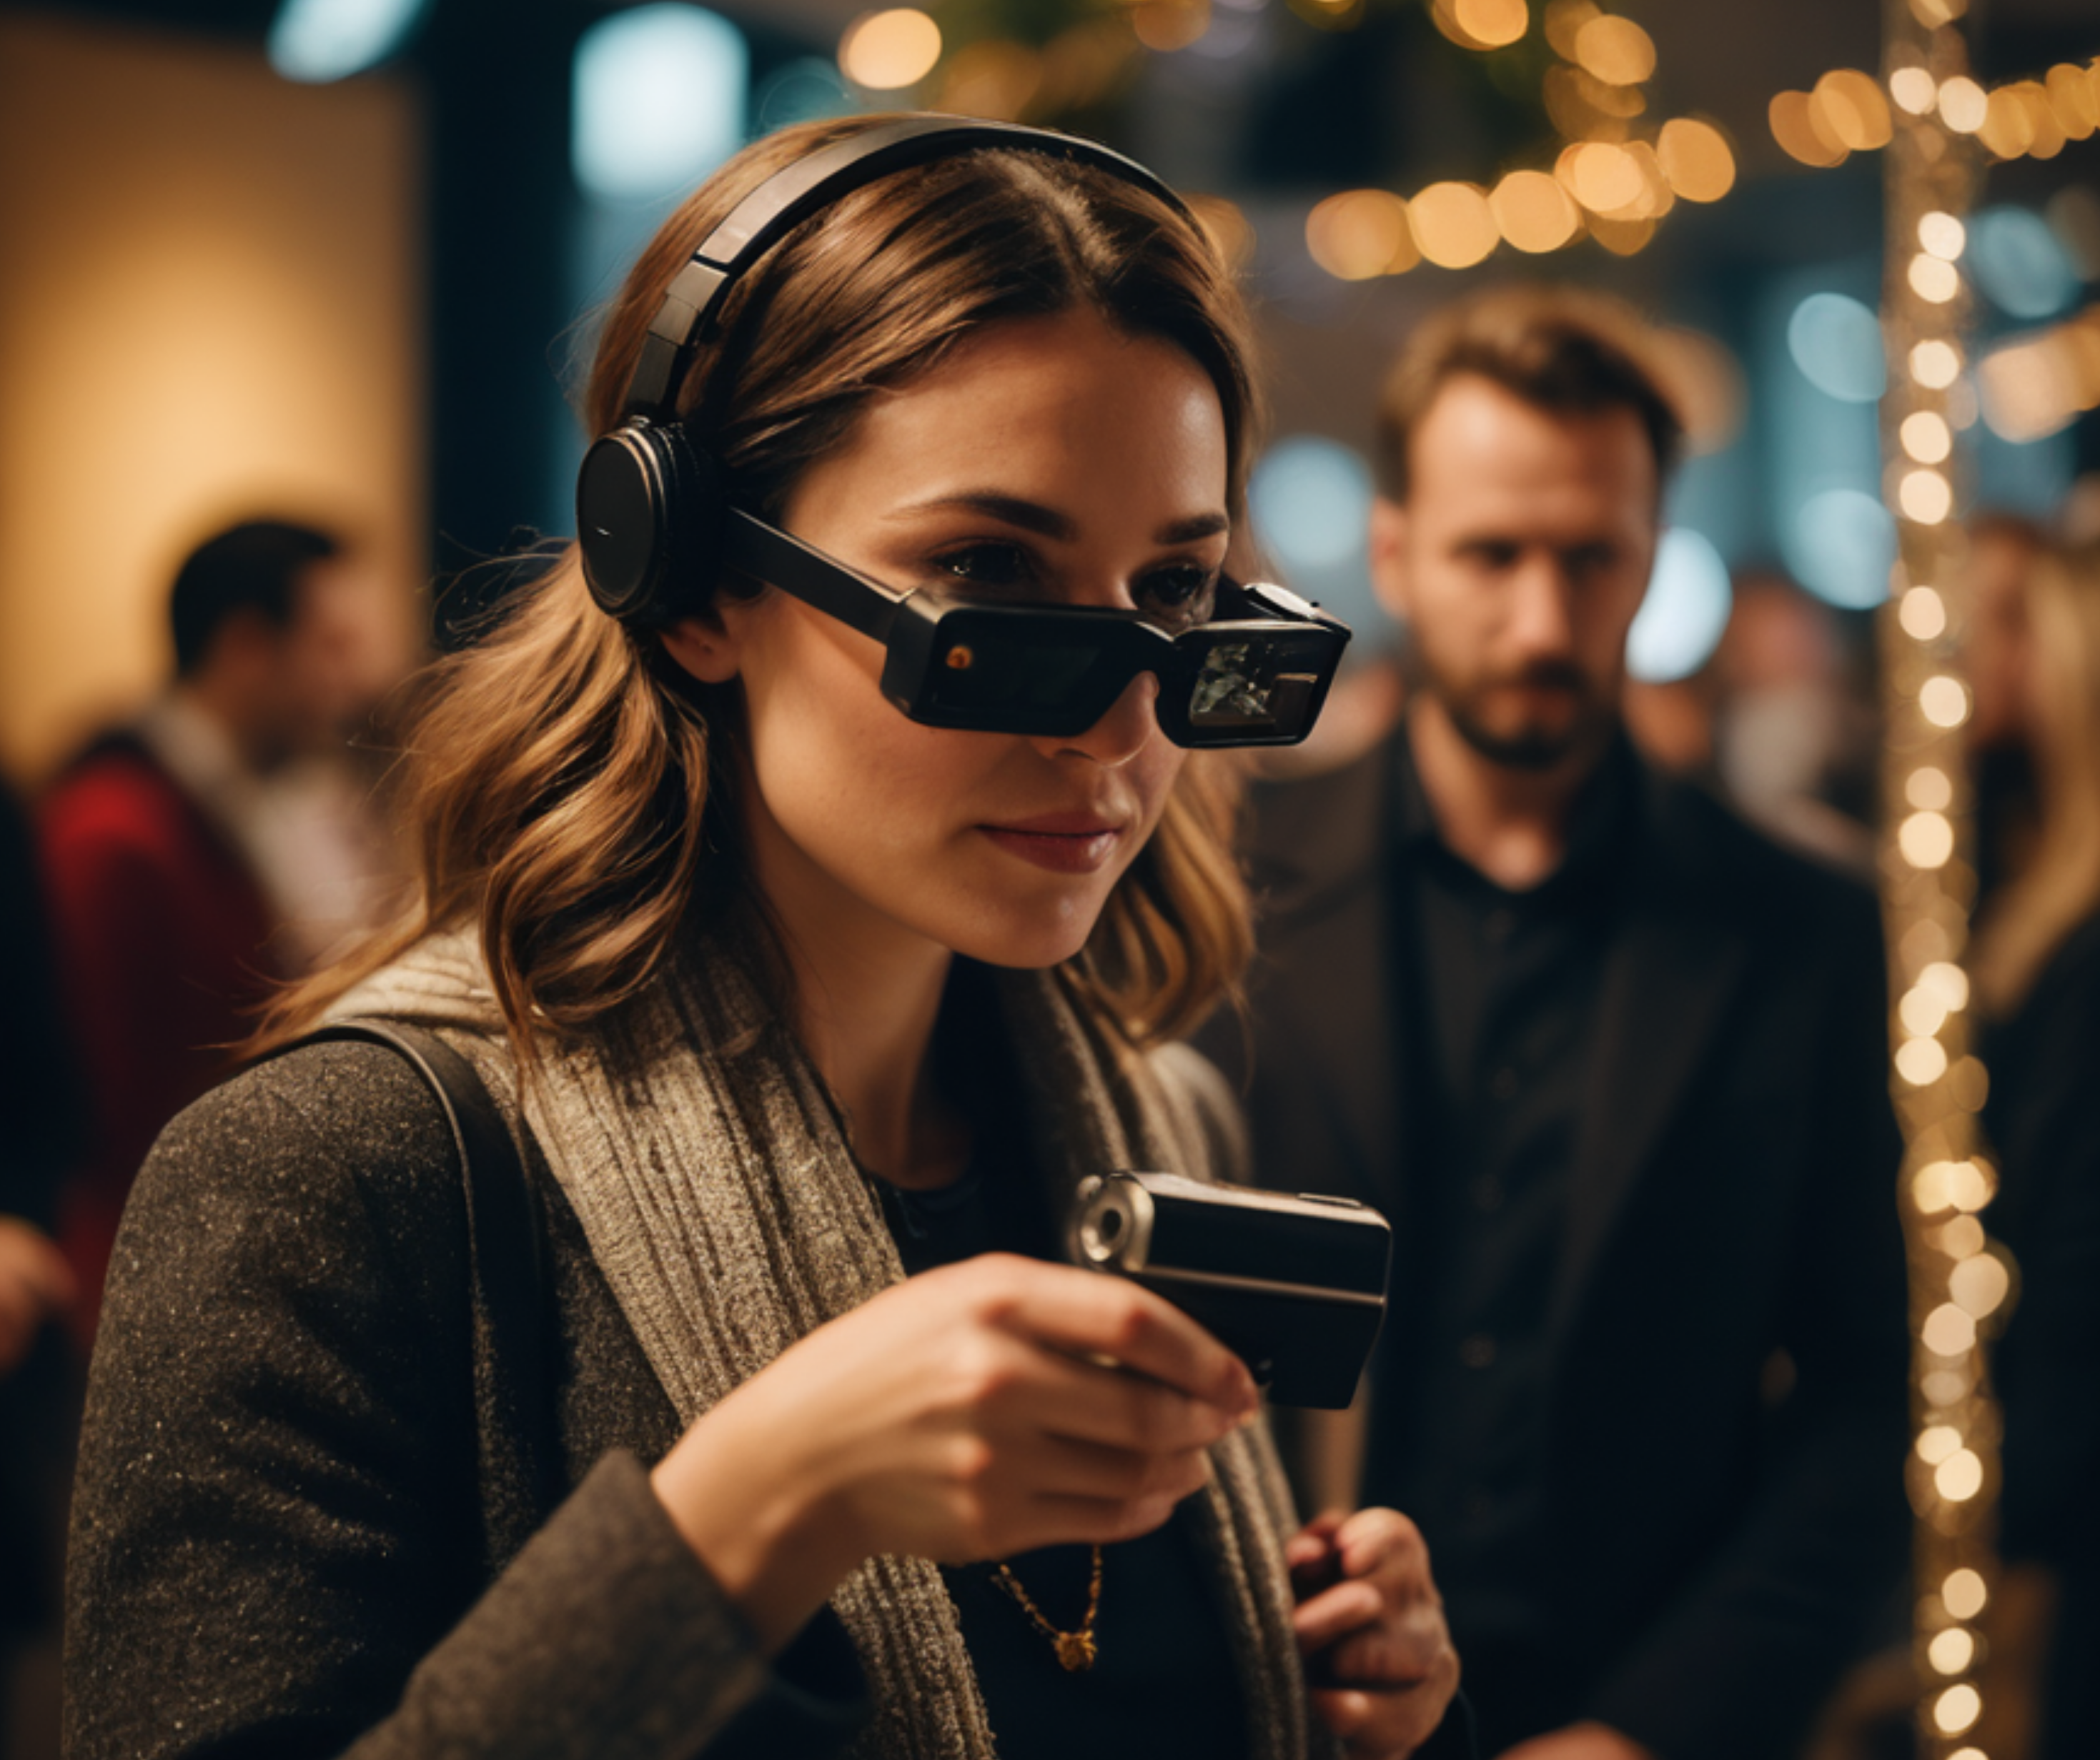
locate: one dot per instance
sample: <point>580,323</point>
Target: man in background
<point>1614,1064</point>
<point>164,861</point>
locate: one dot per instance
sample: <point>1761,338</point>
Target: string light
<point>1959,1281</point>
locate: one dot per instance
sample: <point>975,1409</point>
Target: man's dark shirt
<point>1505,987</point>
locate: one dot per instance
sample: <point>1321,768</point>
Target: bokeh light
<point>1494,23</point>
<point>1925,496</point>
<point>1454,226</point>
<point>1835,341</point>
<point>1802,130</point>
<point>888,50</point>
<point>1848,106</point>
<point>1942,234</point>
<point>1923,615</point>
<point>2020,263</point>
<point>1840,545</point>
<point>1914,90</point>
<point>1310,499</point>
<point>1681,621</point>
<point>1695,157</point>
<point>1614,49</point>
<point>1957,1709</point>
<point>1935,364</point>
<point>1943,701</point>
<point>658,101</point>
<point>1963,105</point>
<point>1533,212</point>
<point>1925,437</point>
<point>1360,233</point>
<point>318,40</point>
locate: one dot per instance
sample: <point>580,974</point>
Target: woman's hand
<point>35,1284</point>
<point>983,1409</point>
<point>1370,1625</point>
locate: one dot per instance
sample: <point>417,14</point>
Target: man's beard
<point>1531,746</point>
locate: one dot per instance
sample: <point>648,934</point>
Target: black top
<point>1505,985</point>
<point>1163,1681</point>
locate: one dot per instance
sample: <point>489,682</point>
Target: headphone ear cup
<point>649,516</point>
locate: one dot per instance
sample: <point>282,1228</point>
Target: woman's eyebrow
<point>1048,522</point>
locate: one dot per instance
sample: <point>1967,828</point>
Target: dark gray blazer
<point>1717,1554</point>
<point>293,1375</point>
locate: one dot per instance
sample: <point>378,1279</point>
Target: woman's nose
<point>1121,734</point>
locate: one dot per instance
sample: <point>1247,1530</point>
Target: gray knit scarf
<point>707,1165</point>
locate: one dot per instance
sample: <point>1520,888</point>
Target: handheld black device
<point>656,526</point>
<point>1294,1285</point>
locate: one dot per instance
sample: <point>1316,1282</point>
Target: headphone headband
<point>783,200</point>
<point>650,502</point>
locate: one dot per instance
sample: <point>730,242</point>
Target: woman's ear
<point>703,645</point>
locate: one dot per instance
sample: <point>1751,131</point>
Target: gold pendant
<point>1075,1650</point>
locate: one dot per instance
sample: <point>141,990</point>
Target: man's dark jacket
<point>1731,1230</point>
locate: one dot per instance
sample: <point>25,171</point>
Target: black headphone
<point>649,500</point>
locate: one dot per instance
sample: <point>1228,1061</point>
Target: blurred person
<point>1614,1065</point>
<point>814,1012</point>
<point>39,1122</point>
<point>1793,740</point>
<point>2035,965</point>
<point>1671,723</point>
<point>159,860</point>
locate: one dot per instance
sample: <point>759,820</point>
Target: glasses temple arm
<point>768,554</point>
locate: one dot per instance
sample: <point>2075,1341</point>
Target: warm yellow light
<point>1920,1061</point>
<point>1948,981</point>
<point>1696,158</point>
<point>1956,1708</point>
<point>1454,226</point>
<point>1967,1185</point>
<point>1932,13</point>
<point>1564,19</point>
<point>885,51</point>
<point>1943,701</point>
<point>1980,1285</point>
<point>1925,496</point>
<point>1968,1754</point>
<point>1926,840</point>
<point>1928,789</point>
<point>1963,105</point>
<point>1494,23</point>
<point>1852,107</point>
<point>1961,1238</point>
<point>1942,234</point>
<point>1621,238</point>
<point>1933,280</point>
<point>1360,234</point>
<point>1796,126</point>
<point>1534,212</point>
<point>994,79</point>
<point>2076,99</point>
<point>1964,1593</point>
<point>1914,90</point>
<point>1617,51</point>
<point>1166,25</point>
<point>1953,1650</point>
<point>1935,365</point>
<point>1948,1331</point>
<point>1922,614</point>
<point>2044,134</point>
<point>1936,1442</point>
<point>1606,178</point>
<point>1926,437</point>
<point>2007,126</point>
<point>1921,1013</point>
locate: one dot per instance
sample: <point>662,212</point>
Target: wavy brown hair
<point>569,792</point>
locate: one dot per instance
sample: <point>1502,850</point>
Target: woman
<point>2037,966</point>
<point>795,994</point>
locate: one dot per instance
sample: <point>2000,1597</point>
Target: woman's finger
<point>1089,1314</point>
<point>1333,1613</point>
<point>1114,1407</point>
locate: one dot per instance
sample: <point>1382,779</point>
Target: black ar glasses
<point>1255,675</point>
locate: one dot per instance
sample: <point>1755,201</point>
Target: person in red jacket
<point>156,859</point>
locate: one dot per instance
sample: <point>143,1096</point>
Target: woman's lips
<point>1063,843</point>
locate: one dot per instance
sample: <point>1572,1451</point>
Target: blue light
<point>2019,261</point>
<point>660,101</point>
<point>318,40</point>
<point>1837,343</point>
<point>1680,621</point>
<point>1841,545</point>
<point>807,90</point>
<point>1312,502</point>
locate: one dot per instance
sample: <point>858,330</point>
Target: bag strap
<point>506,1236</point>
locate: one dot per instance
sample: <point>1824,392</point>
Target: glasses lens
<point>1258,687</point>
<point>1025,674</point>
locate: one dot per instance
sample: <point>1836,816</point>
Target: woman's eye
<point>989,564</point>
<point>1179,597</point>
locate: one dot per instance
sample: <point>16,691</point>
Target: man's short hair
<point>254,566</point>
<point>1566,352</point>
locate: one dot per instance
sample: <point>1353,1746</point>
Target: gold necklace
<point>1076,1650</point>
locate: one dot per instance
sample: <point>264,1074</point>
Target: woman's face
<point>1048,460</point>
